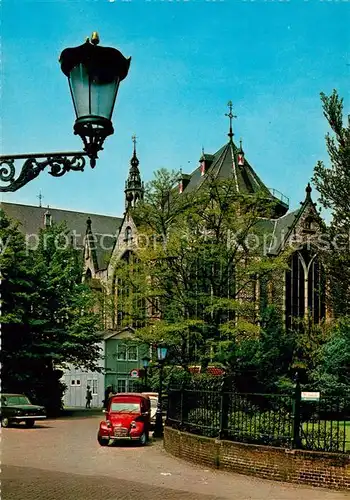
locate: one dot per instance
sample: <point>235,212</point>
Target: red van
<point>127,417</point>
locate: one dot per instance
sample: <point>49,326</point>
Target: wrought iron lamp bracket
<point>58,164</point>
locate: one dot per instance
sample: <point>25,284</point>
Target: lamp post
<point>94,74</point>
<point>161,355</point>
<point>145,363</point>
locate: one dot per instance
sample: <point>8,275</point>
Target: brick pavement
<point>25,483</point>
<point>62,459</point>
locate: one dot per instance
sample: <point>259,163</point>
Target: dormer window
<point>240,159</point>
<point>47,219</point>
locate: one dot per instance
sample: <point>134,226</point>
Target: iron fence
<point>270,419</point>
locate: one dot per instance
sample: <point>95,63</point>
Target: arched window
<point>316,290</point>
<point>88,275</point>
<point>304,288</point>
<point>128,234</point>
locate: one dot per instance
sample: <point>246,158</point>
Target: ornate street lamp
<point>145,363</point>
<point>161,355</point>
<point>94,74</point>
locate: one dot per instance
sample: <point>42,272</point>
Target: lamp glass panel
<point>103,97</point>
<point>79,84</point>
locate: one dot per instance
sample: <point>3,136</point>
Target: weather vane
<point>231,116</point>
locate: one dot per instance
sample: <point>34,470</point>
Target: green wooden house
<point>123,360</point>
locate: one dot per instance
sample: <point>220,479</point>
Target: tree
<point>198,265</point>
<point>333,183</point>
<point>332,373</point>
<point>47,313</point>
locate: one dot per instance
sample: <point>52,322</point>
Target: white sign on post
<point>310,396</point>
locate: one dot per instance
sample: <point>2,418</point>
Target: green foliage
<point>198,271</point>
<point>47,319</point>
<point>333,184</point>
<point>332,373</point>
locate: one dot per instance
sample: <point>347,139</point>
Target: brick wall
<point>329,470</point>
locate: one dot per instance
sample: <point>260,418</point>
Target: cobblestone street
<point>61,460</point>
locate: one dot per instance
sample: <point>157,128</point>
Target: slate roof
<point>277,231</point>
<point>225,165</point>
<point>105,228</point>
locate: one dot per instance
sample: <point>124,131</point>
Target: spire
<point>308,190</point>
<point>134,160</point>
<point>134,188</point>
<point>230,116</point>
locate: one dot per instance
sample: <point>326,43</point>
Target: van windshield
<point>125,407</point>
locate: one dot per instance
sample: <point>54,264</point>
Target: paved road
<point>61,460</point>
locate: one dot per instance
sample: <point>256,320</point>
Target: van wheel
<point>143,439</point>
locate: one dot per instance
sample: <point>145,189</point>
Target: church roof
<point>31,219</point>
<point>229,161</point>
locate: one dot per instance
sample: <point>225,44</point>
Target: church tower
<point>134,187</point>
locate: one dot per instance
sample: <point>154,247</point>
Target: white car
<point>153,396</point>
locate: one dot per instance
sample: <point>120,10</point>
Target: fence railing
<point>269,419</point>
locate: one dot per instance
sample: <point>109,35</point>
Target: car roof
<point>128,394</point>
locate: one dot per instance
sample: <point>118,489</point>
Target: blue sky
<point>271,58</point>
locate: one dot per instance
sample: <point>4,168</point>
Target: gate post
<point>296,443</point>
<point>224,408</point>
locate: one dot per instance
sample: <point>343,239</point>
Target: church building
<point>104,240</point>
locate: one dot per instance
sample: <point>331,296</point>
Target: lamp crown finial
<point>95,39</point>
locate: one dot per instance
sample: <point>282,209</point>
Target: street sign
<point>310,396</point>
<point>134,374</point>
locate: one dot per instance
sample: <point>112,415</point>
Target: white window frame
<point>94,387</point>
<point>125,384</point>
<point>131,382</point>
<point>137,353</point>
<point>123,346</point>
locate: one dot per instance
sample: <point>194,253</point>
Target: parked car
<point>17,408</point>
<point>127,417</point>
<point>153,396</point>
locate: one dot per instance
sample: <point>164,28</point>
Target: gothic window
<point>295,290</point>
<point>316,291</point>
<point>88,275</point>
<point>128,234</point>
<point>305,285</point>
